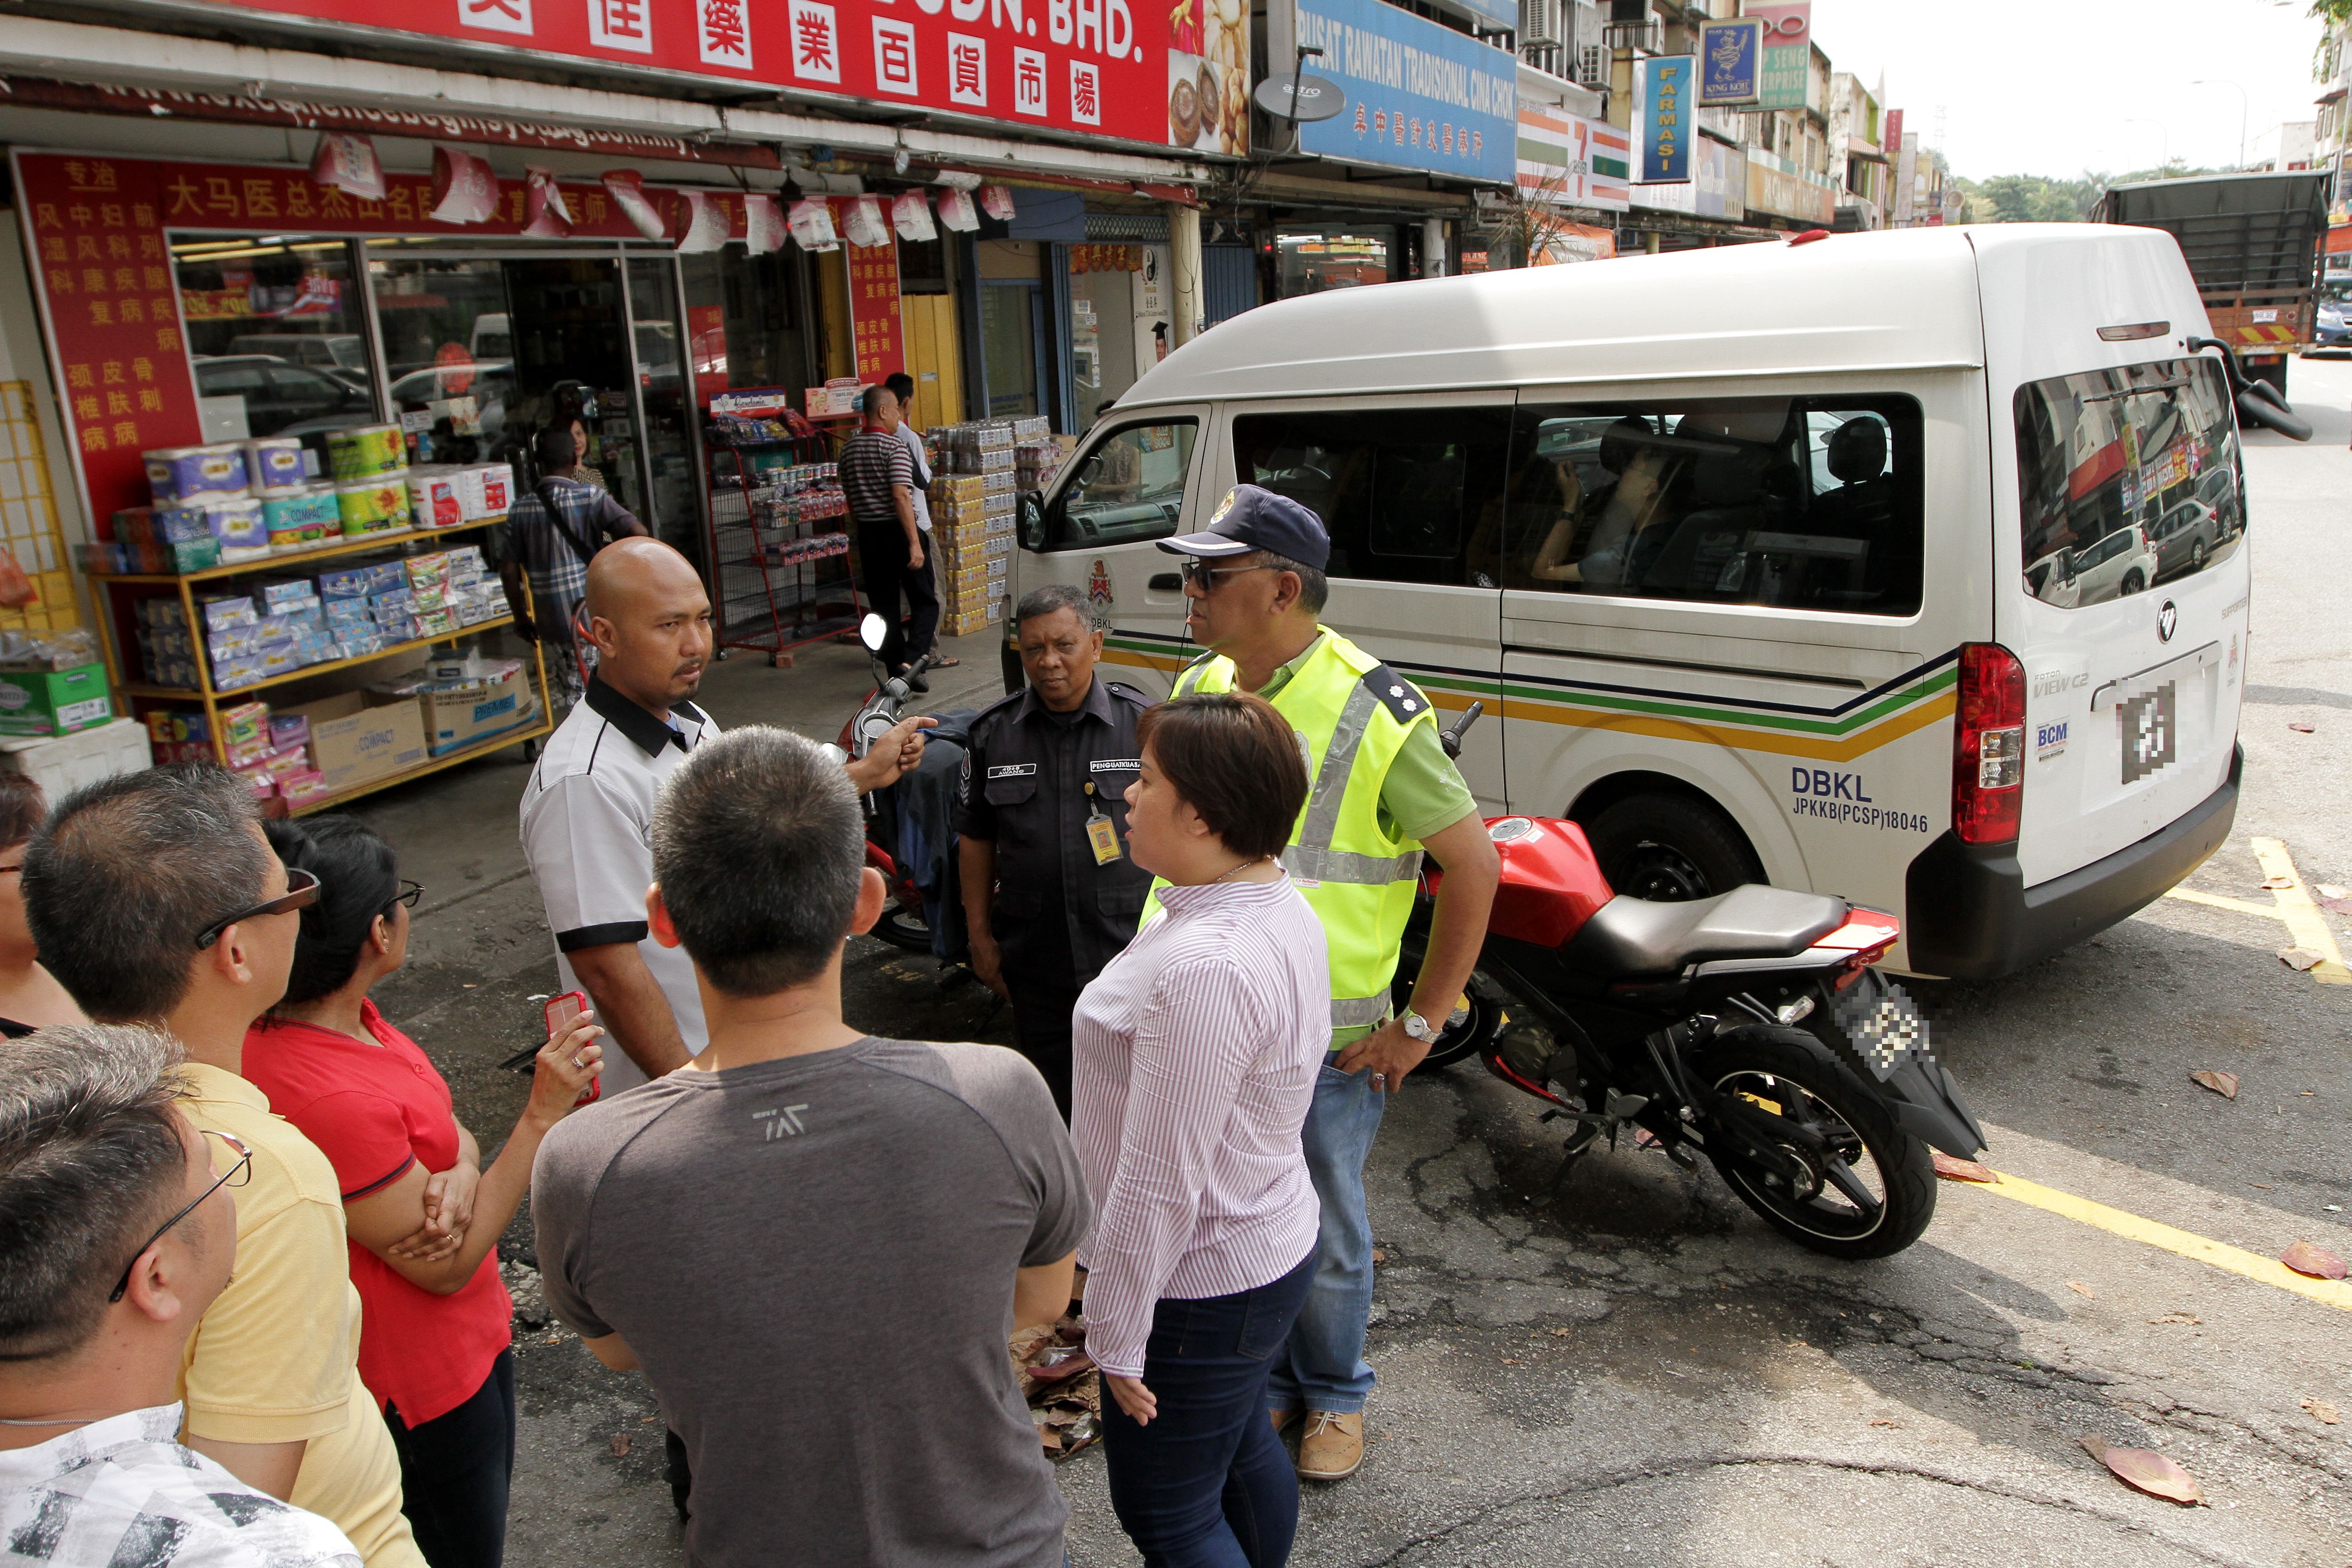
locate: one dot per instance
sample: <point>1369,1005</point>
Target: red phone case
<point>559,1011</point>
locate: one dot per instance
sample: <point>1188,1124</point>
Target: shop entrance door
<point>1015,353</point>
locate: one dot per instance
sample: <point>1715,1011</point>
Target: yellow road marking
<point>2291,906</point>
<point>2335,1293</point>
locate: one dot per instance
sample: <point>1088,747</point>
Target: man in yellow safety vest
<point>1384,791</point>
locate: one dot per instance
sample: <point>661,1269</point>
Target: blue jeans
<point>1323,1366</point>
<point>1206,1483</point>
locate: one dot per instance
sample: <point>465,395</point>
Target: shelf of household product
<point>978,470</point>
<point>777,526</point>
<point>223,506</point>
<point>316,754</point>
<point>227,536</point>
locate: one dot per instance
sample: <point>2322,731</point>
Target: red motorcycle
<point>1748,1028</point>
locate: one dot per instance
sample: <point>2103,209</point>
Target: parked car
<point>342,355</point>
<point>2184,536</point>
<point>282,399</point>
<point>2332,333</point>
<point>2114,567</point>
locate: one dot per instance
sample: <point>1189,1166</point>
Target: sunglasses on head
<point>301,892</point>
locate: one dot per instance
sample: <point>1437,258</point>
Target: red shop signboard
<point>95,229</point>
<point>1098,67</point>
<point>874,325</point>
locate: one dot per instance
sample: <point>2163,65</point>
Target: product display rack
<point>116,592</point>
<point>773,608</point>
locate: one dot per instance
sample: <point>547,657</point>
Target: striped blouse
<point>1196,1052</point>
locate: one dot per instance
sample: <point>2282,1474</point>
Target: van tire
<point>1669,848</point>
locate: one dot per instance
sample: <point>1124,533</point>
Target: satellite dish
<point>1316,99</point>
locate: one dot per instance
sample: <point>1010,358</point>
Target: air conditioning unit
<point>1592,66</point>
<point>1538,22</point>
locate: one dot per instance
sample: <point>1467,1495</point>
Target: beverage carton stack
<point>973,499</point>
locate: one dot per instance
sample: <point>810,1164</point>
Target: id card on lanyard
<point>1101,835</point>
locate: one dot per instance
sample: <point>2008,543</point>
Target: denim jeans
<point>1323,1366</point>
<point>1206,1484</point>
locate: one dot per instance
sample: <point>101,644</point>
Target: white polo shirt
<point>587,831</point>
<point>913,441</point>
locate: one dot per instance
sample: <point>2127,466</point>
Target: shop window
<point>1129,488</point>
<point>1316,260</point>
<point>1793,502</point>
<point>449,346</point>
<point>1118,320</point>
<point>923,266</point>
<point>1409,495</point>
<point>276,334</point>
<point>744,321</point>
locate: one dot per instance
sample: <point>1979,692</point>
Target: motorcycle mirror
<point>2254,409</point>
<point>872,631</point>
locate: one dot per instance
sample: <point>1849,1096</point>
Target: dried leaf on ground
<point>2315,1261</point>
<point>619,1445</point>
<point>2146,1470</point>
<point>2319,1410</point>
<point>1953,1169</point>
<point>2277,884</point>
<point>2330,890</point>
<point>1883,1423</point>
<point>2080,1288</point>
<point>2301,728</point>
<point>1380,1255</point>
<point>2177,1318</point>
<point>2224,1084</point>
<point>2300,958</point>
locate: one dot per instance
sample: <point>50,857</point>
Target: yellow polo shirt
<point>275,1358</point>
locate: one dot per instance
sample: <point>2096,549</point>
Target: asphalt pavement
<point>1629,1366</point>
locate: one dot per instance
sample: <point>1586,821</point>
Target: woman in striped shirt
<point>1195,1055</point>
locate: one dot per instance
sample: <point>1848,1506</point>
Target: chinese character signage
<point>1665,116</point>
<point>1785,73</point>
<point>1418,96</point>
<point>872,297</point>
<point>1730,56</point>
<point>1566,160</point>
<point>1098,66</point>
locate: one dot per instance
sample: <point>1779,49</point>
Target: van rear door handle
<point>1166,582</point>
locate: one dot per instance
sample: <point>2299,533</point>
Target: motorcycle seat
<point>1636,939</point>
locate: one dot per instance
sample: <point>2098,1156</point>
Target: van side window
<point>1793,502</point>
<point>1129,488</point>
<point>2126,479</point>
<point>1410,495</point>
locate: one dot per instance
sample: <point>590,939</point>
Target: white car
<point>2114,567</point>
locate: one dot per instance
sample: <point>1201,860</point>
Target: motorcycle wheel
<point>1871,1201</point>
<point>902,926</point>
<point>1457,1042</point>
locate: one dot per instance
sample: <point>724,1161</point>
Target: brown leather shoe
<point>1331,1447</point>
<point>1282,1418</point>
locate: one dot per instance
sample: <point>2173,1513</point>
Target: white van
<point>1759,554</point>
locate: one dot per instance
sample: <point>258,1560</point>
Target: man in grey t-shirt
<point>815,1242</point>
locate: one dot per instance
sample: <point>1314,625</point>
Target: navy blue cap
<point>1251,519</point>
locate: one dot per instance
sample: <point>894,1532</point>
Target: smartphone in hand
<point>561,1011</point>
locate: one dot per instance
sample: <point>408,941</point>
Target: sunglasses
<point>301,892</point>
<point>1199,574</point>
<point>237,1176</point>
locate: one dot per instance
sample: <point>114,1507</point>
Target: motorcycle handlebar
<point>1451,736</point>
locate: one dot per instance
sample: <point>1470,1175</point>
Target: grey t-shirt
<point>814,1261</point>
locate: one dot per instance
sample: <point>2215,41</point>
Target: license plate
<point>1885,1030</point>
<point>2149,728</point>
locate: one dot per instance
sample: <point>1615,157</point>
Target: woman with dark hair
<point>582,470</point>
<point>424,1217</point>
<point>1196,1053</point>
<point>30,998</point>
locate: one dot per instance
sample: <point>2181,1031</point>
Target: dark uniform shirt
<point>1024,785</point>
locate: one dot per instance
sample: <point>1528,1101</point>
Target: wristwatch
<point>1417,1027</point>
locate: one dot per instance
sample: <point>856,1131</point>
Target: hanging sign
<point>1666,116</point>
<point>1731,59</point>
<point>874,328</point>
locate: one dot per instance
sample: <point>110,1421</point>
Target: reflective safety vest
<point>1351,713</point>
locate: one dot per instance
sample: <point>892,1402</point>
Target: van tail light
<point>1988,745</point>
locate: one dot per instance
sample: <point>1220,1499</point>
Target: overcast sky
<point>2056,87</point>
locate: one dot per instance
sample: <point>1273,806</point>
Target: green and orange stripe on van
<point>1911,701</point>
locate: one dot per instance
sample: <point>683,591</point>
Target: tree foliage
<point>2031,199</point>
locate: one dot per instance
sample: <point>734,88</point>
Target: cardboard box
<point>63,763</point>
<point>54,703</point>
<point>354,741</point>
<point>465,717</point>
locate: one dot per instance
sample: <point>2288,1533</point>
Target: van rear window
<point>2126,479</point>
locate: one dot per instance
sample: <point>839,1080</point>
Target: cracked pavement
<point>1629,1366</point>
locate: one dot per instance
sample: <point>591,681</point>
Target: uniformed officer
<point>1049,892</point>
<point>1383,791</point>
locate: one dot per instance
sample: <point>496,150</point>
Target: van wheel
<point>1667,848</point>
<point>2132,584</point>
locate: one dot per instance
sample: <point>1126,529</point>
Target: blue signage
<point>1666,116</point>
<point>1420,95</point>
<point>1731,60</point>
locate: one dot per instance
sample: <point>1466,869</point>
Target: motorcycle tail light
<point>1988,745</point>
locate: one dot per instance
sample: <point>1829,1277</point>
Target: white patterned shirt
<point>1195,1053</point>
<point>122,1493</point>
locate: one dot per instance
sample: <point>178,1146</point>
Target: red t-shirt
<point>374,1110</point>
